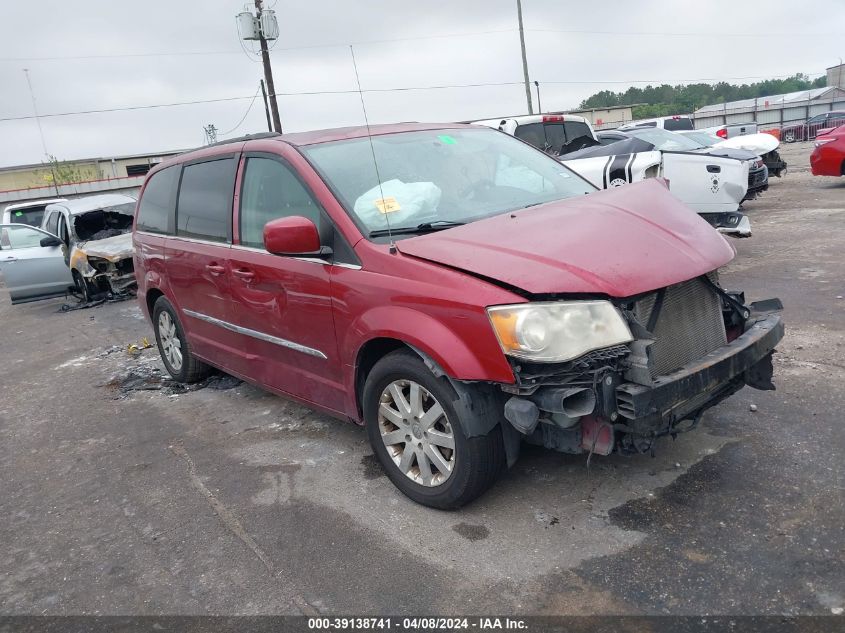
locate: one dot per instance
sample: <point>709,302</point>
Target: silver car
<point>32,263</point>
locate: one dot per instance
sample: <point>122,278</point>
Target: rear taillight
<point>552,118</point>
<point>722,132</point>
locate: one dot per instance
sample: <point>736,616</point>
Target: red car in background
<point>808,130</point>
<point>828,159</point>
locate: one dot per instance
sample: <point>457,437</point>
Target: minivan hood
<point>111,248</point>
<point>619,242</point>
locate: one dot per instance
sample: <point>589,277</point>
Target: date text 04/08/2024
<point>411,623</point>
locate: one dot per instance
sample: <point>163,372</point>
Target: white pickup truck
<point>714,186</point>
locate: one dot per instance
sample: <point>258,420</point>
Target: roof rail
<point>244,138</point>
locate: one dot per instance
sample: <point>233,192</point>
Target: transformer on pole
<point>262,27</point>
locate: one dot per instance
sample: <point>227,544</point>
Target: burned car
<point>97,238</point>
<point>452,289</point>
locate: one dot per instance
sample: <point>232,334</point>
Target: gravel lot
<point>234,501</point>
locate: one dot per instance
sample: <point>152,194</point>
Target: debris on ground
<point>135,349</point>
<point>96,300</point>
<point>145,377</point>
<point>752,408</point>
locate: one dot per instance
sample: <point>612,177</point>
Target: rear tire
<point>419,438</point>
<point>173,346</point>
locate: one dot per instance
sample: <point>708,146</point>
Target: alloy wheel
<point>417,433</point>
<point>170,343</point>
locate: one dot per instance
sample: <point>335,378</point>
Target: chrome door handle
<point>215,269</point>
<point>10,259</point>
<point>246,275</point>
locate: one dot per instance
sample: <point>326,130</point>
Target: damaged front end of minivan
<point>107,265</point>
<point>691,345</point>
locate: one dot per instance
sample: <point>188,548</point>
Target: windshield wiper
<point>424,227</point>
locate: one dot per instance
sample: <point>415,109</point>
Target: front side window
<point>14,237</point>
<point>439,176</point>
<point>271,190</point>
<point>204,209</point>
<point>155,210</point>
<point>52,225</point>
<point>62,233</point>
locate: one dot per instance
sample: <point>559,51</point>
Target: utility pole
<point>268,72</point>
<point>210,134</point>
<point>524,59</point>
<point>266,107</point>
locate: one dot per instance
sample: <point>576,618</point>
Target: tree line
<point>664,100</point>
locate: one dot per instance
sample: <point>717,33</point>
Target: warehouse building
<point>122,174</point>
<point>774,111</point>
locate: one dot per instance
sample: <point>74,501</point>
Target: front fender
<point>462,357</point>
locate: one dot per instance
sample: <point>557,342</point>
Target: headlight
<point>99,264</point>
<point>557,331</point>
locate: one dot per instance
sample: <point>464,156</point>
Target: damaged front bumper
<point>701,384</point>
<point>613,413</point>
<point>731,223</point>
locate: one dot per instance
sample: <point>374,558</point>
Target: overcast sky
<point>111,41</point>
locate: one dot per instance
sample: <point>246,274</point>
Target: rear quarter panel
<point>149,261</point>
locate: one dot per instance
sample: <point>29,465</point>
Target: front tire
<point>419,438</point>
<point>83,286</point>
<point>173,346</point>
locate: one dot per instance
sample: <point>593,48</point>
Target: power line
<point>276,48</point>
<point>385,90</point>
<point>126,108</point>
<point>418,38</point>
<point>243,118</point>
<point>766,35</point>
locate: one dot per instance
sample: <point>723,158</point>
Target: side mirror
<point>50,240</point>
<point>295,236</point>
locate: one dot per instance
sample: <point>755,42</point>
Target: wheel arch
<point>150,299</point>
<point>386,329</point>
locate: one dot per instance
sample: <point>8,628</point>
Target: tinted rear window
<point>204,210</point>
<point>563,137</point>
<point>678,124</point>
<point>155,211</point>
<point>542,135</point>
<point>32,216</point>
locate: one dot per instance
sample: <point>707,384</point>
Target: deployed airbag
<point>400,200</point>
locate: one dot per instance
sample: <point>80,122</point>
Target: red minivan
<point>449,287</point>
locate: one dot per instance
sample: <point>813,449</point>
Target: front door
<point>282,305</point>
<point>31,271</point>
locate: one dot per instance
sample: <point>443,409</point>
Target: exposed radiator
<point>689,324</point>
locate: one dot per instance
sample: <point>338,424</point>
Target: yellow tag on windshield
<point>387,205</point>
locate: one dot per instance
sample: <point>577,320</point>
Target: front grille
<point>125,266</point>
<point>689,324</point>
